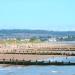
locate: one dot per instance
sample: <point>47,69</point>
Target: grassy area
<point>19,41</point>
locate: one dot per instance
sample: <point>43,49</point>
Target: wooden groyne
<point>67,53</point>
<point>26,59</point>
<point>24,62</point>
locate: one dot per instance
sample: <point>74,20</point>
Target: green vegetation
<point>35,40</point>
<point>20,41</point>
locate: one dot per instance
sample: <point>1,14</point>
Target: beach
<point>35,51</point>
<point>26,57</point>
<point>21,47</point>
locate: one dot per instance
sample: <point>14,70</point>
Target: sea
<point>37,70</point>
<point>41,69</point>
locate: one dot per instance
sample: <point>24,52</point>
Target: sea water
<point>38,70</point>
<point>41,70</point>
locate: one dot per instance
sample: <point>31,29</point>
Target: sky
<point>53,15</point>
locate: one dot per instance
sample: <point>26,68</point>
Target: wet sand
<point>25,57</point>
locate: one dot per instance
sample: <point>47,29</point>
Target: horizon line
<point>41,30</point>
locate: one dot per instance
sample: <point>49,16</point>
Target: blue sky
<point>57,15</point>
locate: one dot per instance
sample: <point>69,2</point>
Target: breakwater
<point>30,59</point>
<point>24,62</point>
<point>67,53</point>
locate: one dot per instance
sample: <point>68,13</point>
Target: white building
<point>52,40</point>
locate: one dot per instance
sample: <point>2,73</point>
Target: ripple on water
<point>37,70</point>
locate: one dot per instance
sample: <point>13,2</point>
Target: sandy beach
<point>35,47</point>
<point>32,47</point>
<point>26,57</point>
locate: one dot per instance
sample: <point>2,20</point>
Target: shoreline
<point>34,52</point>
<point>26,59</point>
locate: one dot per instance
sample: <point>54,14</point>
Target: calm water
<point>64,59</point>
<point>37,70</point>
<point>41,70</point>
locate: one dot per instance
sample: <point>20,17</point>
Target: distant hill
<point>19,33</point>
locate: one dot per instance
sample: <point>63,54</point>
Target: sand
<point>35,47</point>
<point>31,47</point>
<point>26,57</point>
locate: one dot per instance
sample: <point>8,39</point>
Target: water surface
<point>37,70</point>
